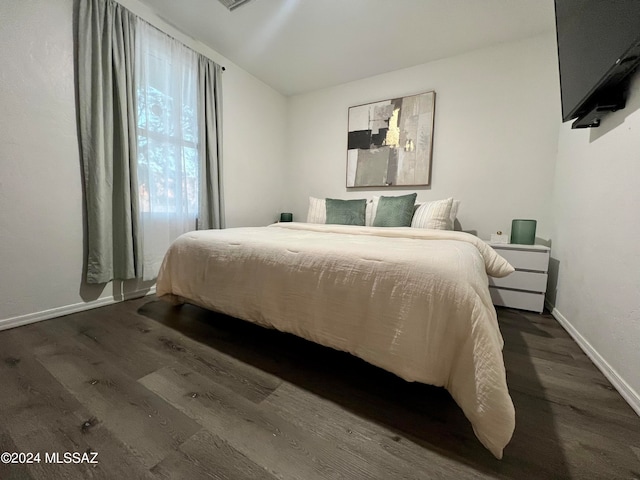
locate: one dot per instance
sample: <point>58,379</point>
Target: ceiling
<point>297,46</point>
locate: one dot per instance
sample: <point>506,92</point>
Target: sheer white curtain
<point>168,164</point>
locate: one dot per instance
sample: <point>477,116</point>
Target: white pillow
<point>317,210</point>
<point>436,215</point>
<point>454,213</point>
<point>368,215</point>
<point>372,207</point>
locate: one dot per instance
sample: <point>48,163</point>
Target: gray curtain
<point>211,205</point>
<point>107,116</point>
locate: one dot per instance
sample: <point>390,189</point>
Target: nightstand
<point>526,287</point>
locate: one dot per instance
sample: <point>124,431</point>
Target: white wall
<point>596,242</point>
<point>41,225</point>
<point>495,138</point>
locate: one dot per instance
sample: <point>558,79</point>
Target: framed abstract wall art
<point>390,143</point>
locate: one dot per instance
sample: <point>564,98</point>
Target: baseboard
<point>548,305</point>
<point>628,393</point>
<point>69,309</point>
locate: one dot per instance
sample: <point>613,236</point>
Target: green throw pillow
<point>395,211</point>
<point>346,212</point>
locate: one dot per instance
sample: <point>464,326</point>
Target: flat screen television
<point>598,47</point>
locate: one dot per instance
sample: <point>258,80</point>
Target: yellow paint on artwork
<point>393,134</point>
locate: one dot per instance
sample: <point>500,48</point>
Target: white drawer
<point>525,259</point>
<point>532,281</point>
<point>516,299</point>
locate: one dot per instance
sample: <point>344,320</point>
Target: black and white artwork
<point>390,142</point>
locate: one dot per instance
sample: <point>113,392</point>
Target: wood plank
<point>40,415</point>
<point>391,453</point>
<point>333,415</point>
<point>138,346</point>
<point>206,455</point>
<point>146,425</point>
<point>12,471</point>
<point>265,438</point>
<point>590,391</point>
<point>578,436</point>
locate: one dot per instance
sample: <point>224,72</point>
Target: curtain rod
<point>169,35</point>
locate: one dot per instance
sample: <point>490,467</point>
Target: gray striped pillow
<point>317,210</point>
<point>436,215</point>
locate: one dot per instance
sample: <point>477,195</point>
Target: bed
<point>412,301</point>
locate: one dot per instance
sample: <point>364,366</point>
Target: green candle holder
<point>523,232</point>
<point>286,217</point>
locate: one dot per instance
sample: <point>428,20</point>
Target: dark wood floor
<point>183,393</point>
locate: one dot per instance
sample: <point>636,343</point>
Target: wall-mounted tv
<point>598,47</point>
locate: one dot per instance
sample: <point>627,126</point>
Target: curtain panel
<point>169,161</point>
<point>211,205</point>
<point>150,114</point>
<point>107,121</point>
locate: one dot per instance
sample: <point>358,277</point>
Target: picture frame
<point>390,142</point>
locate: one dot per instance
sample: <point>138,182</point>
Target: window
<point>167,126</point>
<point>138,87</point>
<point>167,122</point>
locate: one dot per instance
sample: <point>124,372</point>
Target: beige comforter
<point>414,302</point>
